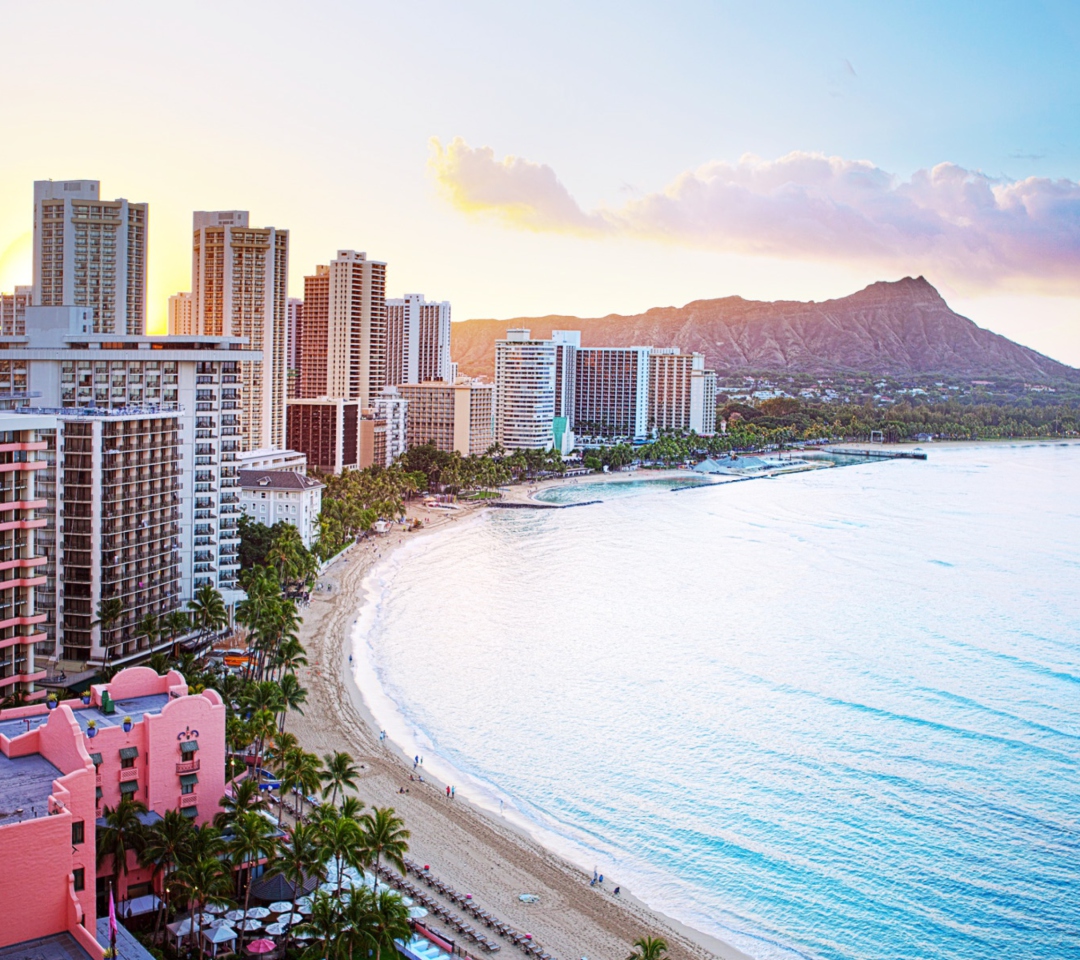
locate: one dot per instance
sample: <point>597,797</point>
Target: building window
<point>127,763</point>
<point>80,878</point>
<point>78,832</point>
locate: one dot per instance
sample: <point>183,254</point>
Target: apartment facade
<point>142,736</point>
<point>13,311</point>
<point>453,416</point>
<point>22,557</point>
<point>682,393</point>
<point>283,496</point>
<point>327,432</point>
<point>611,395</point>
<point>78,376</point>
<point>181,323</point>
<point>239,288</point>
<point>524,391</point>
<point>391,408</point>
<point>344,344</point>
<point>294,345</point>
<point>418,340</point>
<point>90,252</point>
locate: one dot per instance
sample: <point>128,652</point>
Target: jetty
<point>537,505</point>
<point>877,454</point>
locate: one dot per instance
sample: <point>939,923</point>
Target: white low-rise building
<point>273,496</point>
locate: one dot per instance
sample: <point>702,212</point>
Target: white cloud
<point>956,224</point>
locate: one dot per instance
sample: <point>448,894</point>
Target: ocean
<point>829,715</point>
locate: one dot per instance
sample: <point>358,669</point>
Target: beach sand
<point>471,850</point>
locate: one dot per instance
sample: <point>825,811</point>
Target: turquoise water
<point>830,715</point>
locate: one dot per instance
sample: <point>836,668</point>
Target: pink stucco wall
<point>39,899</point>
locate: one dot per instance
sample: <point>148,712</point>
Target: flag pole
<point>112,923</point>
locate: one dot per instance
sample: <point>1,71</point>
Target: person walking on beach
<point>447,793</point>
<point>453,793</point>
<point>416,760</point>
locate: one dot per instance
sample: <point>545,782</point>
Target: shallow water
<point>833,714</point>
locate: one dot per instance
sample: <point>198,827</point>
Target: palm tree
<point>166,842</point>
<point>292,696</point>
<point>148,627</point>
<point>390,922</point>
<point>208,609</point>
<point>324,924</point>
<point>122,833</point>
<point>290,655</point>
<point>301,771</point>
<point>253,839</point>
<point>300,859</point>
<point>246,798</point>
<point>341,840</point>
<point>175,624</point>
<point>649,948</point>
<point>385,836</point>
<point>109,614</point>
<point>340,772</point>
<point>203,881</point>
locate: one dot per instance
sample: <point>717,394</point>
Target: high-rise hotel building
<point>453,416</point>
<point>90,252</point>
<point>239,288</point>
<point>418,340</point>
<point>22,557</point>
<point>524,391</point>
<point>611,395</point>
<point>682,393</point>
<point>180,318</point>
<point>343,349</point>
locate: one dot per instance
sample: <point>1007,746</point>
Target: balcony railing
<point>188,800</point>
<point>187,766</point>
<point>128,774</point>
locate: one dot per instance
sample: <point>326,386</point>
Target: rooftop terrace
<point>25,784</point>
<point>59,946</point>
<point>136,708</point>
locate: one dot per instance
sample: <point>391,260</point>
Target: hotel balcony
<point>187,766</point>
<point>128,774</point>
<point>188,800</point>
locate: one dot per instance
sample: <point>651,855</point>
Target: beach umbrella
<point>276,929</point>
<point>408,901</point>
<point>234,916</point>
<point>261,946</point>
<point>248,925</point>
<point>304,906</point>
<point>288,919</point>
<point>303,936</point>
<point>257,913</point>
<point>417,912</point>
<point>214,908</point>
<point>281,906</point>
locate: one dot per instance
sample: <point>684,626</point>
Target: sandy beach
<point>473,851</point>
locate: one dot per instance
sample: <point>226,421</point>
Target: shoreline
<point>469,846</point>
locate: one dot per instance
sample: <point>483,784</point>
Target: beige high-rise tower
<point>90,252</point>
<point>239,288</point>
<point>344,342</point>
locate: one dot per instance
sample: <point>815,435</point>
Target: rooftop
<point>59,946</point>
<point>277,480</point>
<point>127,946</point>
<point>136,708</point>
<point>25,784</point>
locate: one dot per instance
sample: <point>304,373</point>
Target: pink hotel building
<point>56,779</point>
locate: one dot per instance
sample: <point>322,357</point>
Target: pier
<point>877,454</point>
<point>536,505</point>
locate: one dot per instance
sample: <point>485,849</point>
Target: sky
<point>577,157</point>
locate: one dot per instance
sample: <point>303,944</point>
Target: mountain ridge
<point>898,328</point>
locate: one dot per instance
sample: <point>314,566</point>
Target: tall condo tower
<point>418,340</point>
<point>180,315</point>
<point>239,288</point>
<point>524,391</point>
<point>90,252</point>
<point>343,351</point>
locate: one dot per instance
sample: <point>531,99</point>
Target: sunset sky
<point>585,157</point>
